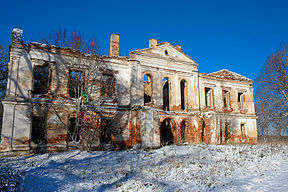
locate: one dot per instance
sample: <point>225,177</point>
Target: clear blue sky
<point>235,35</point>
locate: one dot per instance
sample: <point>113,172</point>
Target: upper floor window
<point>240,100</point>
<point>183,93</point>
<point>41,79</point>
<point>166,98</point>
<point>147,89</point>
<point>226,101</point>
<point>108,87</point>
<point>208,97</point>
<point>75,83</point>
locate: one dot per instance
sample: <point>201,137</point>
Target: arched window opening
<point>182,87</point>
<point>147,89</point>
<point>166,133</point>
<point>165,94</point>
<point>183,131</point>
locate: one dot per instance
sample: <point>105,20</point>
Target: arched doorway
<point>166,134</point>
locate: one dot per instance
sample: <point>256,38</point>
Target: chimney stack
<point>114,45</point>
<point>17,37</point>
<point>178,47</point>
<point>152,42</point>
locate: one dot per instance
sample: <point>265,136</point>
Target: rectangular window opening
<point>41,80</point>
<point>75,83</point>
<point>107,86</point>
<point>208,97</point>
<point>225,95</point>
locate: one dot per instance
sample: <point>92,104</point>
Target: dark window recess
<point>75,83</point>
<point>73,130</point>
<point>41,80</point>
<point>182,85</point>
<point>38,135</point>
<point>166,133</point>
<point>240,100</point>
<point>183,131</point>
<point>107,86</point>
<point>106,130</point>
<point>147,89</point>
<point>166,95</point>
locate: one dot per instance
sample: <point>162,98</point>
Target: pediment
<point>165,51</point>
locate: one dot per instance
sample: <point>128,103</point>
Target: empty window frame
<point>108,87</point>
<point>226,101</point>
<point>240,100</point>
<point>38,135</point>
<point>73,130</point>
<point>75,83</point>
<point>208,97</point>
<point>147,88</point>
<point>166,98</point>
<point>41,79</point>
<point>183,92</point>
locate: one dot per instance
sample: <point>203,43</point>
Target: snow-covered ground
<point>171,168</point>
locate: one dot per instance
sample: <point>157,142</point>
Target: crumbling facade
<point>59,98</point>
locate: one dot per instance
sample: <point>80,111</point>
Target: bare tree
<point>4,58</point>
<point>91,84</point>
<point>272,94</point>
<point>62,37</point>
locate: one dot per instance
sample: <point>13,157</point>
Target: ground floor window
<point>106,130</point>
<point>73,130</point>
<point>38,135</point>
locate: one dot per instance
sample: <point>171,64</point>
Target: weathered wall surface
<point>212,108</point>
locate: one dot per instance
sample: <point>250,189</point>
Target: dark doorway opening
<point>166,133</point>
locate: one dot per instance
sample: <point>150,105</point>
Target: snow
<point>171,168</point>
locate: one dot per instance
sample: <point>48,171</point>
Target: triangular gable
<point>226,74</point>
<point>166,50</point>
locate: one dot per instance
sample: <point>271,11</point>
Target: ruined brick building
<point>152,97</point>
